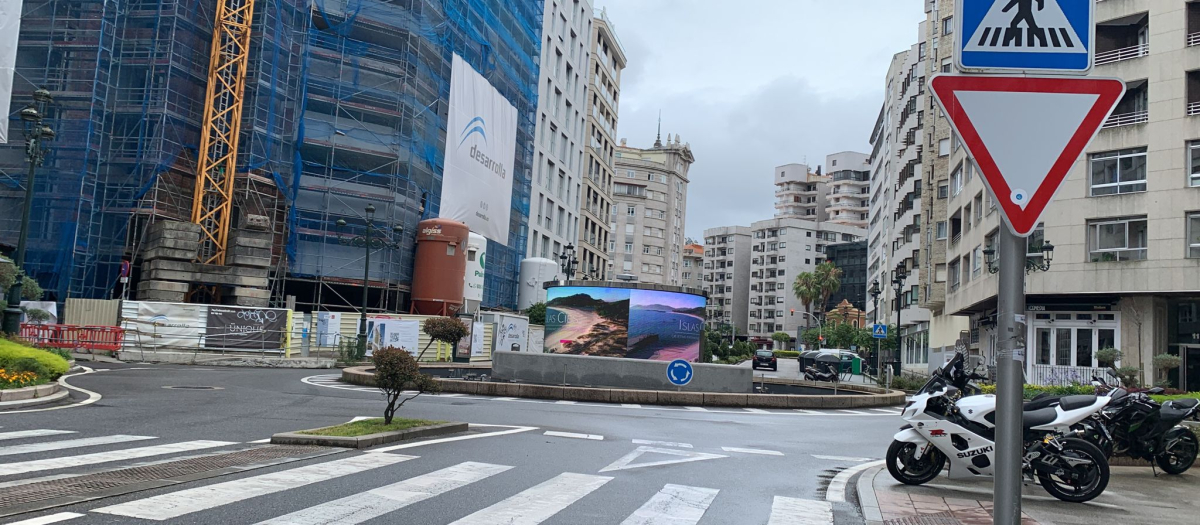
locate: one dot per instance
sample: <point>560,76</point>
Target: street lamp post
<point>368,243</point>
<point>875,291</point>
<point>898,283</point>
<point>1031,265</point>
<point>35,155</point>
<point>569,261</point>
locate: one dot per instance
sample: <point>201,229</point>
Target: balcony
<point>1193,108</point>
<point>1127,119</point>
<point>1122,39</point>
<point>1124,53</point>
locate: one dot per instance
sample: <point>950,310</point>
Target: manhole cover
<point>186,387</point>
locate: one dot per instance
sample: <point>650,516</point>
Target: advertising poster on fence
<point>329,325</point>
<point>382,333</point>
<point>477,332</point>
<point>166,325</point>
<point>246,328</point>
<point>619,322</point>
<point>481,141</point>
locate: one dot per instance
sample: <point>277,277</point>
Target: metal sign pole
<point>1010,362</point>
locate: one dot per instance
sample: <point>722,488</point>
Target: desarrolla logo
<point>478,126</point>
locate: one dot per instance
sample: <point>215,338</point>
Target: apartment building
<point>1125,225</point>
<point>849,188</point>
<point>562,120</point>
<point>692,275</point>
<point>896,203</point>
<point>650,210</point>
<point>605,63</point>
<point>780,249</point>
<point>851,259</point>
<point>727,275</point>
<point>800,193</point>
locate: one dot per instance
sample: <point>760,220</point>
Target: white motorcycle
<point>943,423</point>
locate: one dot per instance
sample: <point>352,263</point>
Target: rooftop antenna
<point>658,138</point>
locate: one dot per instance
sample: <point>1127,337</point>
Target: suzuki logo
<point>937,432</point>
<point>976,452</point>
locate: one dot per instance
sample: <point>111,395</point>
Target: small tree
<point>444,329</point>
<point>395,371</point>
<point>536,313</point>
<point>1164,363</point>
<point>782,338</point>
<point>30,289</point>
<point>1108,357</point>
<point>36,315</point>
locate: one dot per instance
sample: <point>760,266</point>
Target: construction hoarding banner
<point>10,28</point>
<point>246,328</point>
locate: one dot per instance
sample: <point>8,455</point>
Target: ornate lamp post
<point>875,291</point>
<point>898,277</point>
<point>35,154</point>
<point>368,243</point>
<point>568,261</point>
<point>1030,264</point>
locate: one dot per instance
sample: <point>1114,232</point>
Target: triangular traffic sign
<point>1025,133</point>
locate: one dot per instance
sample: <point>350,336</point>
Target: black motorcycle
<point>1145,429</point>
<point>829,375</point>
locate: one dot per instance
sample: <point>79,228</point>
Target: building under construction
<point>344,105</point>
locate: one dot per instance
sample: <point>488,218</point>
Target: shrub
<point>787,354</point>
<point>536,313</point>
<point>444,329</point>
<point>12,351</point>
<point>1129,376</point>
<point>395,371</point>
<point>903,382</point>
<point>29,364</point>
<point>1108,356</point>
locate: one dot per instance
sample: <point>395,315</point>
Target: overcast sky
<point>753,85</point>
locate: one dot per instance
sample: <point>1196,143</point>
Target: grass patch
<point>370,426</point>
<point>1188,395</point>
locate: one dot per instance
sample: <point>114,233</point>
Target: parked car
<point>764,359</point>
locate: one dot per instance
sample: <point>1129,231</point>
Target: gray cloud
<point>755,86</point>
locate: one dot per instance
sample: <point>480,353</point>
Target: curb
<point>867,501</point>
<point>29,393</point>
<point>61,394</point>
<point>359,376</point>
<point>369,440</point>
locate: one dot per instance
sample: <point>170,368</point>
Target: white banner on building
<point>10,29</point>
<point>167,325</point>
<point>481,140</point>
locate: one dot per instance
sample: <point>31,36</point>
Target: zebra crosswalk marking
<point>48,519</point>
<point>377,502</point>
<point>23,467</point>
<point>796,511</point>
<point>179,503</point>
<point>22,434</point>
<point>69,443</point>
<point>537,504</point>
<point>674,505</point>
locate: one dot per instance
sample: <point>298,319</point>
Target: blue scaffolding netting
<point>345,105</point>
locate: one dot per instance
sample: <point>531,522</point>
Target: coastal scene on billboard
<point>664,326</point>
<point>587,320</point>
<point>619,322</point>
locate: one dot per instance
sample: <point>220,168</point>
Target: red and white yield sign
<point>1025,133</point>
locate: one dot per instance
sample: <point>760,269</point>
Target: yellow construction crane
<point>213,202</point>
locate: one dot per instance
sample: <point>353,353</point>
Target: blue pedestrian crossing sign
<point>1033,36</point>
<point>879,331</point>
<point>679,372</point>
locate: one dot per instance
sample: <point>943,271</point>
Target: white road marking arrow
<point>679,456</point>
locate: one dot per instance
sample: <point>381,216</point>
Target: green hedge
<point>791,354</point>
<point>11,352</point>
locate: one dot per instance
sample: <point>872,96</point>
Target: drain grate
<point>940,518</point>
<point>114,479</point>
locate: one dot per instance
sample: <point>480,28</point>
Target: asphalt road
<point>648,462</point>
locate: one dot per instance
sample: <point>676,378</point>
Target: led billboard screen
<point>622,322</point>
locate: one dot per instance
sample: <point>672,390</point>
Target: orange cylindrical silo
<point>440,266</point>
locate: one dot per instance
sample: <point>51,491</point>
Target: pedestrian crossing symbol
<point>879,331</point>
<point>1025,35</point>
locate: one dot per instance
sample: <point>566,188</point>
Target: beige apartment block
<point>692,275</point>
<point>605,63</point>
<point>1125,225</point>
<point>800,193</point>
<point>849,188</point>
<point>650,210</point>
<point>727,275</point>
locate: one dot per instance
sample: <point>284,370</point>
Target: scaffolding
<point>345,105</point>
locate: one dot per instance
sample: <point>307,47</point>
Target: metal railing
<point>1124,53</point>
<point>1193,39</point>
<point>1060,375</point>
<point>1193,108</point>
<point>1126,119</point>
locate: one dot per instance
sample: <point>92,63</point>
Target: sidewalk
<point>1133,495</point>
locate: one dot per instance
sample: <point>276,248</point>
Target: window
<point>630,210</point>
<point>941,230</point>
<point>954,275</point>
<point>947,25</point>
<point>687,275</point>
<point>1120,239</point>
<point>628,229</point>
<point>943,147</point>
<point>1033,243</point>
<point>947,65</point>
<point>1115,172</point>
<point>956,180</point>
<point>1193,235</point>
<point>628,247</point>
<point>1193,163</point>
<point>939,273</point>
<point>943,190</point>
<point>629,174</point>
<point>627,265</point>
<point>977,260</point>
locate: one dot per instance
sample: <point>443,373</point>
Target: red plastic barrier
<point>104,338</point>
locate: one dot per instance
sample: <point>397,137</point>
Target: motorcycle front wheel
<point>1180,455</point>
<point>910,471</point>
<point>1092,477</point>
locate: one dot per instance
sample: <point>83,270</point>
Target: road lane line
<point>661,443</point>
<point>179,503</point>
<point>674,505</point>
<point>504,399</point>
<point>48,519</point>
<point>390,498</point>
<point>841,458</point>
<point>837,488</point>
<point>796,511</point>
<point>564,402</point>
<point>807,411</point>
<point>449,439</point>
<point>892,411</point>
<point>21,434</point>
<point>697,409</point>
<point>753,451</point>
<point>107,457</point>
<point>630,405</point>
<point>756,411</point>
<point>854,412</point>
<point>537,504</point>
<point>260,441</point>
<point>554,433</point>
<point>70,443</point>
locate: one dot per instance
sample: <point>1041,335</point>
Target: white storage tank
<point>534,272</point>
<point>476,271</point>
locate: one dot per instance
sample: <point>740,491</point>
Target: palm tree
<point>827,279</point>
<point>807,291</point>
